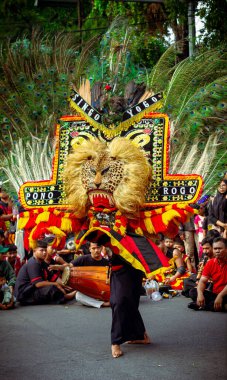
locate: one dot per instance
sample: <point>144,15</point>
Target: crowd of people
<point>197,260</point>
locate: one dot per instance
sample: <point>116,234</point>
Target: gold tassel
<point>66,225</point>
<point>32,242</point>
<point>43,217</point>
<point>149,226</point>
<point>139,231</point>
<point>170,215</point>
<point>22,222</point>
<point>56,231</point>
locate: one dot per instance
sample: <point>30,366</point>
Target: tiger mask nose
<point>98,179</point>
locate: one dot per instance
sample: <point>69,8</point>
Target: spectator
<point>212,234</point>
<point>178,266</point>
<point>6,213</point>
<point>179,245</point>
<point>106,253</point>
<point>6,272</point>
<point>32,288</point>
<point>216,270</point>
<point>199,233</point>
<point>192,281</point>
<point>167,248</point>
<point>13,258</point>
<point>5,293</point>
<point>218,210</point>
<point>189,230</point>
<point>181,235</point>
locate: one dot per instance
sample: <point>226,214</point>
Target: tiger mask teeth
<point>100,198</point>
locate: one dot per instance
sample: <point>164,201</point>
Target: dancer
<point>127,323</point>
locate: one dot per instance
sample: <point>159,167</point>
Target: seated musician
<point>31,285</point>
<point>52,258</point>
<point>93,259</point>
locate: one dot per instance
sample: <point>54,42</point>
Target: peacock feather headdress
<point>35,86</point>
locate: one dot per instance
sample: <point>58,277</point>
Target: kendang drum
<point>91,281</point>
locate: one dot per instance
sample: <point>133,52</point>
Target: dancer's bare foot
<point>70,296</point>
<point>116,351</point>
<point>106,304</point>
<point>146,340</point>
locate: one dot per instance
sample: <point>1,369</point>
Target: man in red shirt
<point>216,271</point>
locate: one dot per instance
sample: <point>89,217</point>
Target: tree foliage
<point>20,17</point>
<point>213,12</point>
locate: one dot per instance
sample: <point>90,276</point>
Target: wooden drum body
<point>92,281</point>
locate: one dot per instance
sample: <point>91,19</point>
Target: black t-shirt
<point>68,257</point>
<point>88,261</point>
<point>29,274</point>
<point>50,275</point>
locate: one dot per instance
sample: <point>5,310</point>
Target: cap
<point>12,247</point>
<point>41,244</point>
<point>3,249</point>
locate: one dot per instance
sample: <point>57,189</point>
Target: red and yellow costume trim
<point>36,223</point>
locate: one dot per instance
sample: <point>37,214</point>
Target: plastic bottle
<point>156,296</point>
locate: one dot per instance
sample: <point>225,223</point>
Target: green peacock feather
<point>35,82</point>
<point>195,100</point>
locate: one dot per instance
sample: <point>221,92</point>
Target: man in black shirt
<point>31,286</point>
<point>94,259</point>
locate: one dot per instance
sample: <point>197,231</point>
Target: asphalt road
<point>72,342</point>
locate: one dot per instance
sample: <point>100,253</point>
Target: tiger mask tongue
<point>100,198</point>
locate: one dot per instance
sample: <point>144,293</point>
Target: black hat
<point>12,247</point>
<point>41,244</point>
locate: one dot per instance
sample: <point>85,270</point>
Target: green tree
<point>148,42</point>
<point>20,17</point>
<point>215,27</point>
